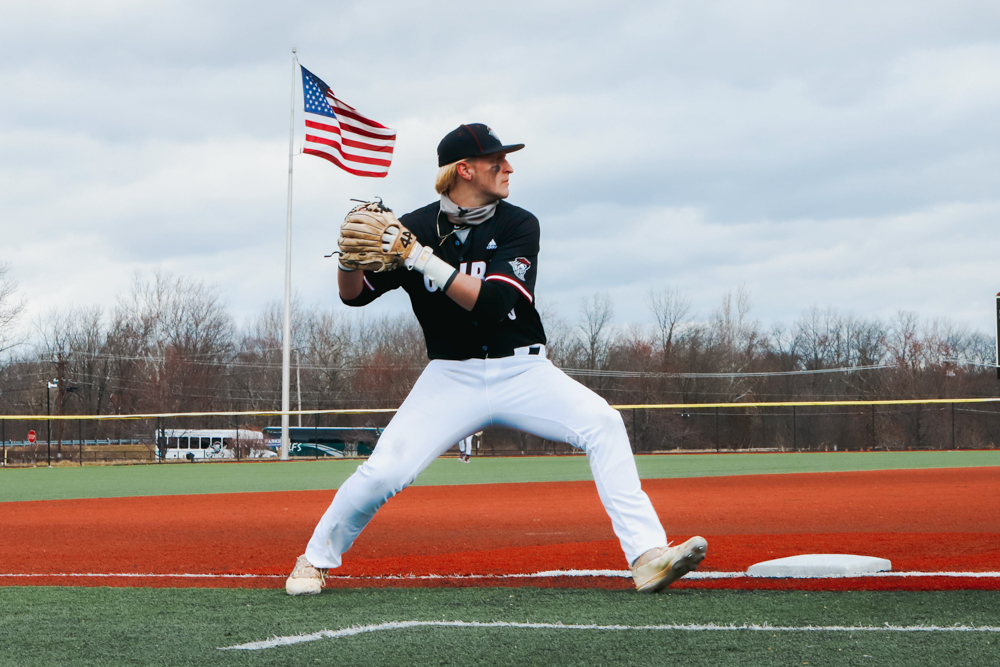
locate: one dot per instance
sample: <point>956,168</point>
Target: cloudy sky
<point>840,155</point>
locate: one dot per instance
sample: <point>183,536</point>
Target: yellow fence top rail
<point>643,406</point>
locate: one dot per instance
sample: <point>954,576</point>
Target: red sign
<point>31,436</point>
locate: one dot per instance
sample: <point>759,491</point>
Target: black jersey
<point>503,252</point>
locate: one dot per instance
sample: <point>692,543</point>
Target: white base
<point>819,565</point>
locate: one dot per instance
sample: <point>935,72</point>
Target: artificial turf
<point>193,478</point>
<point>111,626</point>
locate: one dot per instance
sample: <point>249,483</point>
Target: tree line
<point>170,344</point>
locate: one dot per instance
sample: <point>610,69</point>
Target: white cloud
<point>933,262</point>
<point>843,155</point>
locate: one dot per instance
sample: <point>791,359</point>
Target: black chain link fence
<point>724,429</point>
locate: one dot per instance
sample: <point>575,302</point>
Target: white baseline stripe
<point>707,627</point>
<point>545,574</point>
<point>142,575</point>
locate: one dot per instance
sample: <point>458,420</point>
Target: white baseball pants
<point>453,399</point>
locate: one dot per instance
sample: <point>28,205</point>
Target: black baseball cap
<point>471,140</point>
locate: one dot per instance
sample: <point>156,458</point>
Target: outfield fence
<point>840,425</point>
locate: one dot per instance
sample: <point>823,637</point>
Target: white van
<point>211,443</point>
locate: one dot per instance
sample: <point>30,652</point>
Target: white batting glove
<point>420,258</point>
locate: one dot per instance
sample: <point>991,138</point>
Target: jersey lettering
<point>512,315</point>
<point>478,269</point>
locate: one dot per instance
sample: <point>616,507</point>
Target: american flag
<point>338,133</point>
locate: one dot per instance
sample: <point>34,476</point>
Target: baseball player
<point>468,262</point>
<point>465,449</point>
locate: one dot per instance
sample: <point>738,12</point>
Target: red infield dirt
<point>942,520</point>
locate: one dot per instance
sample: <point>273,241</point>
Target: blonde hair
<point>446,177</point>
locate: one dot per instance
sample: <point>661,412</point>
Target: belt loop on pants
<point>532,350</point>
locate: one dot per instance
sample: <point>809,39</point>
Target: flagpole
<point>286,346</point>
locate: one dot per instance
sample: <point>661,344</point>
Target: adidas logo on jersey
<point>492,245</point>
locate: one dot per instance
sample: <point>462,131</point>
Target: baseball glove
<point>372,239</point>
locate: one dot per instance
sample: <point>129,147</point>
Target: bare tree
<point>734,334</point>
<point>598,312</point>
<point>980,349</point>
<point>819,338</point>
<point>329,352</point>
<point>391,355</point>
<point>78,337</point>
<point>669,309</point>
<point>904,344</point>
<point>561,345</point>
<point>171,345</point>
<point>177,336</point>
<point>867,341</point>
<point>11,308</point>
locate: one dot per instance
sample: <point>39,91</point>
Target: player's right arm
<point>359,287</point>
<point>350,284</point>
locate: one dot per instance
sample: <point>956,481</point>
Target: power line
<point>584,372</point>
<point>647,406</point>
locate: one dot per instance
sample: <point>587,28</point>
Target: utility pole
<point>873,426</point>
<point>60,397</point>
<point>795,432</point>
<point>716,428</point>
<point>49,386</point>
<point>298,382</point>
<point>953,426</point>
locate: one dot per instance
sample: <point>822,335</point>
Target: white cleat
<point>305,579</point>
<point>658,568</point>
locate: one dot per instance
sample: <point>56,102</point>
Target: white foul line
<point>545,574</point>
<point>707,627</point>
<point>141,575</point>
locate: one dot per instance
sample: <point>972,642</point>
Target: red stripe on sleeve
<point>524,291</point>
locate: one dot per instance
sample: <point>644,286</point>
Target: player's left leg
<point>530,394</point>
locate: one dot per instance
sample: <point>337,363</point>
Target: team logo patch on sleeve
<point>520,266</point>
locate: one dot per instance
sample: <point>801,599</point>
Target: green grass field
<point>186,478</point>
<point>110,627</point>
<point>62,626</point>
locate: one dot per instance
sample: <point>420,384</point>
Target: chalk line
<point>692,627</point>
<point>545,574</point>
<point>144,575</point>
